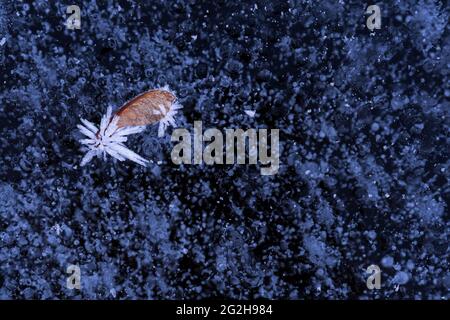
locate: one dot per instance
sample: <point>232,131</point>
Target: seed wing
<point>147,108</point>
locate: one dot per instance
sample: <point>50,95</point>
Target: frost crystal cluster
<point>109,139</point>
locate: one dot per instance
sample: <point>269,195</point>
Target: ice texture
<point>364,140</point>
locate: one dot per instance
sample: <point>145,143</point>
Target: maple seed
<point>157,105</point>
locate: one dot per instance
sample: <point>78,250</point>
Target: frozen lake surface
<point>364,164</point>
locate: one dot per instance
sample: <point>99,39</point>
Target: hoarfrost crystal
<point>109,139</point>
<point>168,118</point>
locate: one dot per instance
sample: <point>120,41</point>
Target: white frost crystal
<point>109,140</point>
<point>168,118</point>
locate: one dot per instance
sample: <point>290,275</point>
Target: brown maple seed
<point>147,108</point>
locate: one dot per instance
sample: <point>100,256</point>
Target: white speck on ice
<point>57,229</point>
<point>250,113</point>
<point>3,41</point>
